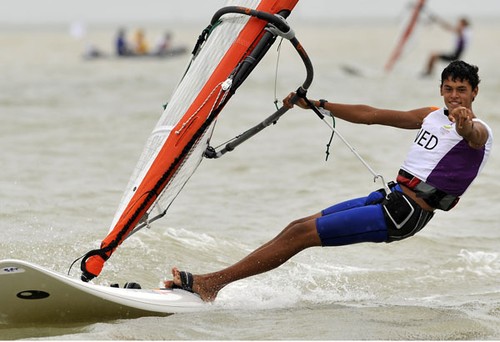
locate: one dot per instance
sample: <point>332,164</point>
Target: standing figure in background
<point>164,44</point>
<point>463,35</point>
<point>141,46</point>
<point>121,45</point>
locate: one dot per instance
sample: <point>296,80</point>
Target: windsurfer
<point>462,31</point>
<point>451,147</point>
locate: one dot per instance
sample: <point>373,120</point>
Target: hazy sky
<point>119,11</point>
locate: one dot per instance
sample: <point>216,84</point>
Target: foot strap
<point>186,282</point>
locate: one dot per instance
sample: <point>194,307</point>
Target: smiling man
<point>450,148</point>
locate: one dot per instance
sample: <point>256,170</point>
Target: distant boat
<point>93,53</point>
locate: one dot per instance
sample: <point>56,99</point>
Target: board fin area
<point>30,293</point>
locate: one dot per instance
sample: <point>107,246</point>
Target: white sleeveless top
<point>440,157</point>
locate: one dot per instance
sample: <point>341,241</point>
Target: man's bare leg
<point>430,64</point>
<point>297,236</point>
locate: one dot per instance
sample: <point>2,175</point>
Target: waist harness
<point>431,195</point>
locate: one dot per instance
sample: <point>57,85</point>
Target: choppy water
<point>71,132</point>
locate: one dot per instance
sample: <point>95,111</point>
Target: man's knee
<point>304,232</point>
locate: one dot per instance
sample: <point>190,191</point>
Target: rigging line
<point>329,143</point>
<point>224,88</point>
<point>226,142</point>
<point>73,263</point>
<point>353,150</point>
<point>321,115</point>
<point>276,74</point>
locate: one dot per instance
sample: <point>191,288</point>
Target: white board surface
<point>31,293</point>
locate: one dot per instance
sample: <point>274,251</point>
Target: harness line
<point>353,150</point>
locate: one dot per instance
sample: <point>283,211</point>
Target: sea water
<point>72,129</point>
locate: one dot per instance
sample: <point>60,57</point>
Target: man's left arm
<point>474,132</point>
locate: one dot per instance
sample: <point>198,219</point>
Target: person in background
<point>141,46</point>
<point>463,36</point>
<point>451,147</point>
<point>164,44</point>
<point>121,45</point>
<point>92,51</point>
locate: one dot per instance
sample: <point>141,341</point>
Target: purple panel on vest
<point>457,169</point>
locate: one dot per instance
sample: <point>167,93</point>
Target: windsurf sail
<point>405,36</point>
<point>225,54</point>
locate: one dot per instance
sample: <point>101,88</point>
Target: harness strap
<point>431,195</point>
<point>404,217</point>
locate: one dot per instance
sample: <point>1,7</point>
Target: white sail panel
<point>199,71</point>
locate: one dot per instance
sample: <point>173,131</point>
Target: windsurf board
<point>30,293</point>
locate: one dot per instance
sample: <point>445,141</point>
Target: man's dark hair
<point>461,71</point>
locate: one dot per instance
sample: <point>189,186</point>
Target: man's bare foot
<point>198,285</point>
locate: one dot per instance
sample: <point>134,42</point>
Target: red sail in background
<point>405,36</point>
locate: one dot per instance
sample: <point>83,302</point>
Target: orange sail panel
<point>180,137</point>
<point>405,36</point>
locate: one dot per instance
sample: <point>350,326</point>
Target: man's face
<point>458,93</point>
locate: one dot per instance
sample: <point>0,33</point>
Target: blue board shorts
<point>374,218</point>
<point>353,221</point>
